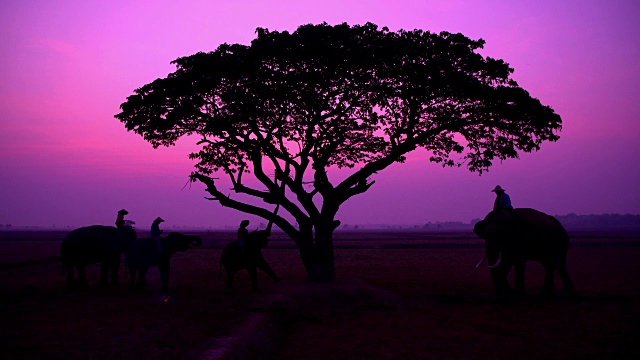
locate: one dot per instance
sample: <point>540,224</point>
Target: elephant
<point>144,253</point>
<point>95,244</point>
<point>514,236</point>
<point>236,257</point>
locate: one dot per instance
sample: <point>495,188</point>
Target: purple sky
<point>66,66</point>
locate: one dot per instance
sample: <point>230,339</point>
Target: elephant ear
<point>480,228</point>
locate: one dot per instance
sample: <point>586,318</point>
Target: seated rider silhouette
<point>155,234</point>
<point>503,201</point>
<point>120,223</point>
<point>242,234</point>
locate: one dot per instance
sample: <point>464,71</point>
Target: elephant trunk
<point>497,262</point>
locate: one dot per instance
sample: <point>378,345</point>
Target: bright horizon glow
<point>67,66</point>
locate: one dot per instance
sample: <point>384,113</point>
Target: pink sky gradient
<point>66,66</point>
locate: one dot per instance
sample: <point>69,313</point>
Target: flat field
<point>399,295</point>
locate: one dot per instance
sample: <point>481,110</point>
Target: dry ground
<point>398,296</point>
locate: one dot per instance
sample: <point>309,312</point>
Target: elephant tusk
<point>497,262</point>
<point>481,261</point>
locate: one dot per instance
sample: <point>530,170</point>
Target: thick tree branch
<point>226,201</point>
<point>276,196</point>
<point>305,199</point>
<point>344,189</point>
<point>321,181</point>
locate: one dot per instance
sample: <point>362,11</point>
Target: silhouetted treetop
<point>344,95</point>
<point>339,96</point>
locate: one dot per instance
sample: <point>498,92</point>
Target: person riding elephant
<point>120,222</point>
<point>155,233</point>
<point>242,233</point>
<point>145,253</point>
<point>510,244</point>
<point>95,244</point>
<point>502,201</point>
<point>236,257</point>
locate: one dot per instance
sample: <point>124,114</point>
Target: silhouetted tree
<point>356,97</point>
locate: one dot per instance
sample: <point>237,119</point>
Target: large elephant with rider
<point>247,256</point>
<point>146,252</point>
<point>512,237</point>
<point>95,244</point>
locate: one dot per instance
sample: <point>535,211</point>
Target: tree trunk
<point>324,265</point>
<point>316,251</point>
<point>317,256</point>
<point>307,254</point>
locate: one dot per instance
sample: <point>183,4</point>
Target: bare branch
<point>226,201</point>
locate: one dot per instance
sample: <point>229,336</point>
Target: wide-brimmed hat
<point>244,223</point>
<point>158,219</point>
<point>123,212</point>
<point>498,189</point>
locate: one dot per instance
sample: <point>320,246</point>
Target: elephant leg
<point>229,282</point>
<point>104,274</point>
<point>115,266</point>
<point>165,270</point>
<point>142,278</point>
<point>519,271</point>
<point>566,280</point>
<point>132,276</point>
<point>253,274</point>
<point>69,269</point>
<point>82,276</point>
<point>264,266</point>
<point>548,287</point>
<point>500,283</point>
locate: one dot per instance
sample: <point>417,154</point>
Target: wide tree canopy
<point>358,97</point>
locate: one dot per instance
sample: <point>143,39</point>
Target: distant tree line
<point>570,221</point>
<point>602,221</point>
<point>427,226</point>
